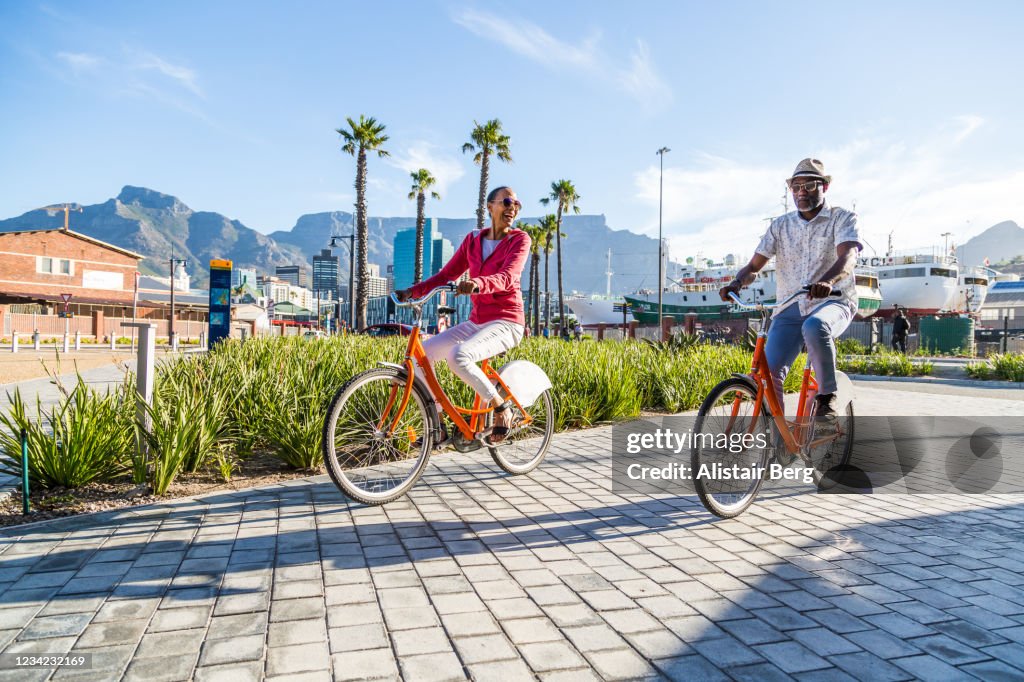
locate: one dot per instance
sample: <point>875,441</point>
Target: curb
<point>969,383</point>
<point>8,532</point>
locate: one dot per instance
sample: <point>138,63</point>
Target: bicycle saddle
<point>445,310</point>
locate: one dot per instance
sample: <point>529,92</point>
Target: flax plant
<point>86,437</point>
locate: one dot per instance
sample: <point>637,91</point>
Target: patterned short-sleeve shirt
<point>805,249</point>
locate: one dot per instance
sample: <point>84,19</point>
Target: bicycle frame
<point>792,433</point>
<point>415,353</point>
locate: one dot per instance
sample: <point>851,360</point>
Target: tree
<point>422,181</point>
<point>563,193</point>
<point>361,137</point>
<point>548,227</point>
<point>534,232</point>
<point>487,139</point>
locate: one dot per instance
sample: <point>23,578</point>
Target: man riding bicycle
<point>816,246</point>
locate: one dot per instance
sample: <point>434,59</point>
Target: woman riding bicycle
<point>494,258</point>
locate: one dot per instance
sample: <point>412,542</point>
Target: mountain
<point>153,224</point>
<point>999,243</point>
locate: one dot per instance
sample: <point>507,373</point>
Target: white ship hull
<point>594,311</point>
<point>972,288</point>
<point>921,285</point>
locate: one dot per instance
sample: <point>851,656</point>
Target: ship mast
<point>608,273</point>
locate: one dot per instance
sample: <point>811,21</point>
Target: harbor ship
<point>697,292</point>
<point>920,284</point>
<point>972,288</point>
<point>694,289</point>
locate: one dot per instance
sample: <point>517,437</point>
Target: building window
<point>54,266</point>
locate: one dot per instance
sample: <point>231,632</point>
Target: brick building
<point>37,266</point>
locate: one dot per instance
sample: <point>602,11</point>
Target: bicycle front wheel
<point>728,468</point>
<point>524,448</point>
<point>373,453</point>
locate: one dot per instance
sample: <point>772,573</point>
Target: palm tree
<point>534,232</point>
<point>563,193</point>
<point>548,227</point>
<point>422,181</point>
<point>486,139</point>
<point>361,137</point>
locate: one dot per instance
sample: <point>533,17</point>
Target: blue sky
<point>232,107</point>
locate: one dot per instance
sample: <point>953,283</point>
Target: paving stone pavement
<point>552,576</point>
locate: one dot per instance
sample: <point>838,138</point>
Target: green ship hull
<point>646,312</point>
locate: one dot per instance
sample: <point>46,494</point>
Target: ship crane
<point>67,208</point>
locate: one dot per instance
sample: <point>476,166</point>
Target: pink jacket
<point>499,292</point>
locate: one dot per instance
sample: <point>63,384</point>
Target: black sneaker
<point>825,413</point>
<point>826,405</point>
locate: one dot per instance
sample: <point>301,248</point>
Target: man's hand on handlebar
<point>732,287</point>
<point>819,290</point>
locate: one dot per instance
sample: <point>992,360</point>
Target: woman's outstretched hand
<point>466,287</point>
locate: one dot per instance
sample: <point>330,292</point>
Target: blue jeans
<point>790,329</point>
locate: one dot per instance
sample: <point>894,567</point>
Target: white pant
<point>466,344</point>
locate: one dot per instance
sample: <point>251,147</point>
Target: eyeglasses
<point>506,202</point>
<point>806,186</point>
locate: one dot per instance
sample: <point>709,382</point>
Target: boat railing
<point>908,259</point>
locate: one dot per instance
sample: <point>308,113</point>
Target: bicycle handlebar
<point>451,286</point>
<point>764,306</point>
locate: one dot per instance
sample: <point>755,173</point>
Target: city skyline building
<point>326,275</point>
<point>296,275</point>
<point>436,252</point>
<point>243,276</point>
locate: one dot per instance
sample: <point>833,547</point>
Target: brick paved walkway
<point>478,574</point>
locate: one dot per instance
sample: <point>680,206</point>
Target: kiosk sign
<point>220,300</point>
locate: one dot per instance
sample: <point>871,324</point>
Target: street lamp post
<point>661,258</point>
<point>170,332</point>
<point>351,273</point>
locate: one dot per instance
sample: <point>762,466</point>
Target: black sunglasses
<point>506,202</point>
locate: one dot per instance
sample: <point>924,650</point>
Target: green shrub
<point>885,363</point>
<point>86,437</point>
<point>851,347</point>
<point>1005,366</point>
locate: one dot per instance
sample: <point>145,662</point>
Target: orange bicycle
<point>747,405</point>
<point>383,424</point>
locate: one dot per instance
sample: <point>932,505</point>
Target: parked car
<point>314,334</point>
<point>389,329</point>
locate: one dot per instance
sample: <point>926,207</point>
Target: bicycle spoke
<point>379,448</point>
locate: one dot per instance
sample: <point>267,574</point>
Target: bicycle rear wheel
<point>829,461</point>
<point>727,468</point>
<point>524,448</point>
<point>372,458</point>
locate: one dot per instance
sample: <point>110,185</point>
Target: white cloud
<point>139,74</point>
<point>916,189</point>
<point>181,75</point>
<point>639,79</point>
<point>79,61</point>
<point>969,125</point>
<point>446,168</point>
<point>529,39</point>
